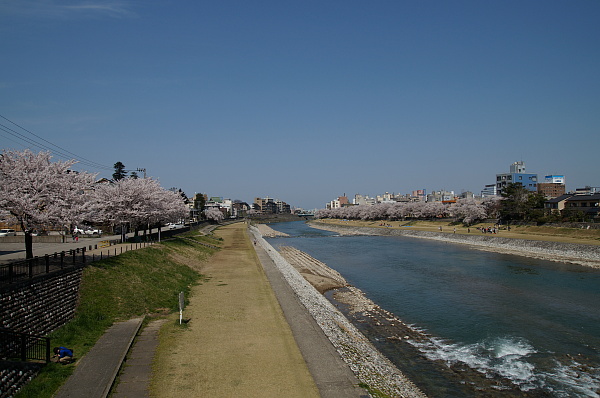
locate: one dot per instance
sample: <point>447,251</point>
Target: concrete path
<point>96,371</point>
<point>134,380</point>
<point>331,374</point>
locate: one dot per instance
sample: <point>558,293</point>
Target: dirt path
<point>237,342</point>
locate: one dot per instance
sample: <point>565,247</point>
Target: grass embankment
<point>136,283</point>
<point>553,234</point>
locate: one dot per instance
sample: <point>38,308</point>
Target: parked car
<point>93,232</point>
<point>77,230</point>
<point>7,232</point>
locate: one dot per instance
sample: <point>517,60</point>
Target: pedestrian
<point>63,355</point>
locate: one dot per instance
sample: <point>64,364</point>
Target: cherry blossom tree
<point>38,193</point>
<point>137,203</point>
<point>468,211</point>
<point>214,214</point>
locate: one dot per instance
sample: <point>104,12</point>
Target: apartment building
<point>270,206</point>
<point>517,175</point>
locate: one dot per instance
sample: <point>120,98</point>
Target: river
<point>532,321</point>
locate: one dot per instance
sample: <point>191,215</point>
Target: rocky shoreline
<point>269,232</point>
<point>586,255</point>
<point>369,365</point>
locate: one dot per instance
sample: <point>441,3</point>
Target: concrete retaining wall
<point>36,239</point>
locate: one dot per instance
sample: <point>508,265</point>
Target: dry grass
<point>553,234</point>
<point>237,342</point>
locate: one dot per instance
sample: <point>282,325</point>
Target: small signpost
<point>181,305</point>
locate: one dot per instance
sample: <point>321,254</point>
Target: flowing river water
<point>533,322</point>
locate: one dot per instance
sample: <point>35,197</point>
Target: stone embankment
<point>269,232</point>
<point>587,255</point>
<point>369,365</point>
<point>314,271</point>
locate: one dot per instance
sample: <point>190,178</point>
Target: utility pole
<point>142,170</point>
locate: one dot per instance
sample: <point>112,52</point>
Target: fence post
<point>47,350</point>
<point>83,254</point>
<point>62,259</point>
<point>74,256</point>
<point>47,258</point>
<point>23,347</point>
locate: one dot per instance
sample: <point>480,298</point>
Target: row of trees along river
<point>37,193</point>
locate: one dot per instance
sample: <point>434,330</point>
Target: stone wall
<point>36,239</point>
<point>42,305</point>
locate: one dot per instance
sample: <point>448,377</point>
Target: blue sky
<point>307,100</point>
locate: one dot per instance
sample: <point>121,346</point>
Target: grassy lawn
<point>136,283</point>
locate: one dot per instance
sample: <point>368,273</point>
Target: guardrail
<point>23,346</point>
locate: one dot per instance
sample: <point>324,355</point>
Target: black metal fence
<point>23,346</point>
<point>22,270</point>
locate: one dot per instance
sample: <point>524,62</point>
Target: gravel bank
<point>269,232</point>
<point>369,365</point>
<point>587,255</point>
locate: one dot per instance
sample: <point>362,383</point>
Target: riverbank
<point>369,365</point>
<point>553,250</point>
<point>269,232</point>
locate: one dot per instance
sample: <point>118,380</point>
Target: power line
<point>61,152</point>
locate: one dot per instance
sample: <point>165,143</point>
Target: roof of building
<point>560,198</point>
<point>595,196</point>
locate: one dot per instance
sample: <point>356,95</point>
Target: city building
<point>441,196</point>
<point>419,195</point>
<point>341,201</point>
<point>555,179</point>
<point>557,203</point>
<point>552,187</point>
<point>489,190</point>
<point>467,195</point>
<point>588,204</point>
<point>270,206</point>
<point>364,200</point>
<point>386,198</point>
<point>587,190</point>
<point>517,175</point>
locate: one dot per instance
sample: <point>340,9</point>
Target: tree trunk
<point>28,244</point>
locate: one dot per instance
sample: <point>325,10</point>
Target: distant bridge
<point>306,214</point>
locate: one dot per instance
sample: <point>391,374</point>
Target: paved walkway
<point>134,381</point>
<point>96,371</point>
